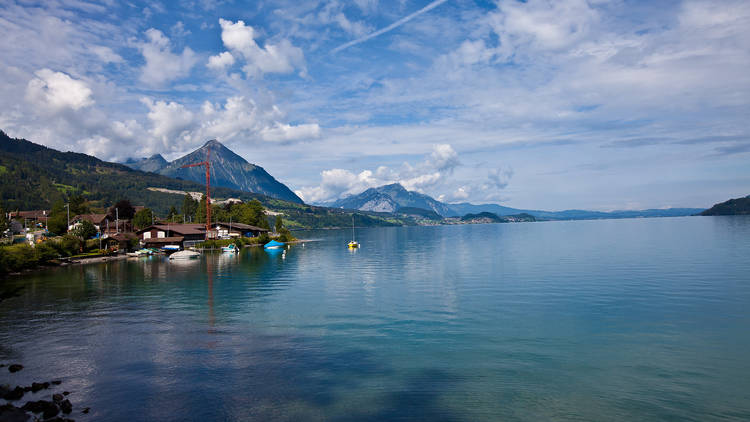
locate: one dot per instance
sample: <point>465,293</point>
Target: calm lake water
<point>616,320</point>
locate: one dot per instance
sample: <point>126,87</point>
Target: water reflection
<point>418,324</point>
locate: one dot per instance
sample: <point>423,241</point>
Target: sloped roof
<point>30,214</point>
<point>92,218</point>
<point>183,229</point>
<point>241,226</point>
<point>174,239</point>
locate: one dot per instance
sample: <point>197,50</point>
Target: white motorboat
<point>186,254</point>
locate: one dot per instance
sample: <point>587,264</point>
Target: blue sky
<point>539,104</point>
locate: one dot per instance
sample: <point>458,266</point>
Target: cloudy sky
<point>546,104</point>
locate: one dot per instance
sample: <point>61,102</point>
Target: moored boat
<point>232,248</point>
<point>274,244</point>
<point>186,254</point>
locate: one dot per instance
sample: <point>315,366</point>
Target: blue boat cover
<point>273,244</point>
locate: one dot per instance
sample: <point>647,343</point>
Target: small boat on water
<point>186,254</point>
<point>141,252</point>
<point>231,248</point>
<point>273,245</point>
<point>353,244</point>
<point>170,248</point>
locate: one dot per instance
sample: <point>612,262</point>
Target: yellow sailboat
<point>353,244</point>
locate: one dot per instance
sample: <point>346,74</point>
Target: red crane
<point>208,187</point>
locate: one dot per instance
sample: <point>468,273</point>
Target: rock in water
<point>57,398</point>
<point>46,408</point>
<point>15,394</point>
<point>37,386</point>
<point>10,413</point>
<point>66,406</point>
<point>15,367</point>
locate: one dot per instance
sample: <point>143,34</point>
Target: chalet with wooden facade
<point>159,235</point>
<point>225,230</point>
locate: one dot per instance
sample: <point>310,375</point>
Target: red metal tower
<point>208,187</point>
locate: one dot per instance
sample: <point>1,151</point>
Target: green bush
<point>70,245</point>
<point>84,230</point>
<point>46,252</point>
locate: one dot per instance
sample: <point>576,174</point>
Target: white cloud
<point>332,13</point>
<point>500,178</point>
<point>460,194</point>
<point>220,61</point>
<point>337,183</point>
<point>282,132</point>
<point>57,91</point>
<point>170,122</point>
<point>281,57</point>
<point>162,65</point>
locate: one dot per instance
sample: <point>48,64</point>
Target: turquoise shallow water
<point>617,320</point>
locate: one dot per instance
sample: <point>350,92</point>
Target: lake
<point>616,320</point>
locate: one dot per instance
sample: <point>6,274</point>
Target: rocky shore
<point>55,410</point>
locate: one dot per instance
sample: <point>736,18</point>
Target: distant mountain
<point>488,217</point>
<point>466,208</point>
<point>457,210</point>
<point>737,206</point>
<point>419,213</point>
<point>228,170</point>
<point>389,198</point>
<point>153,163</point>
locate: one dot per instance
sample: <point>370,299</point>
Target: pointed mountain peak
<point>397,185</point>
<point>213,143</point>
<point>157,157</point>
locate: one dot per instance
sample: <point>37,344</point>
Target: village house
<point>100,221</point>
<point>33,217</point>
<point>159,235</point>
<point>227,230</point>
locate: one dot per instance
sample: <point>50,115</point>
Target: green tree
<point>57,222</point>
<point>3,220</point>
<point>122,209</point>
<point>85,230</point>
<point>200,211</point>
<point>279,224</point>
<point>143,218</point>
<point>189,205</point>
<point>252,213</point>
<point>78,205</point>
<point>172,213</point>
<point>219,213</point>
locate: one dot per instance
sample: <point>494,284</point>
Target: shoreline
<point>65,262</point>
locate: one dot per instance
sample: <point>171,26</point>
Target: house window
<point>160,234</point>
<point>147,235</point>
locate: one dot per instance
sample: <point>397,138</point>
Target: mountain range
<point>33,177</point>
<point>228,170</point>
<point>393,197</point>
